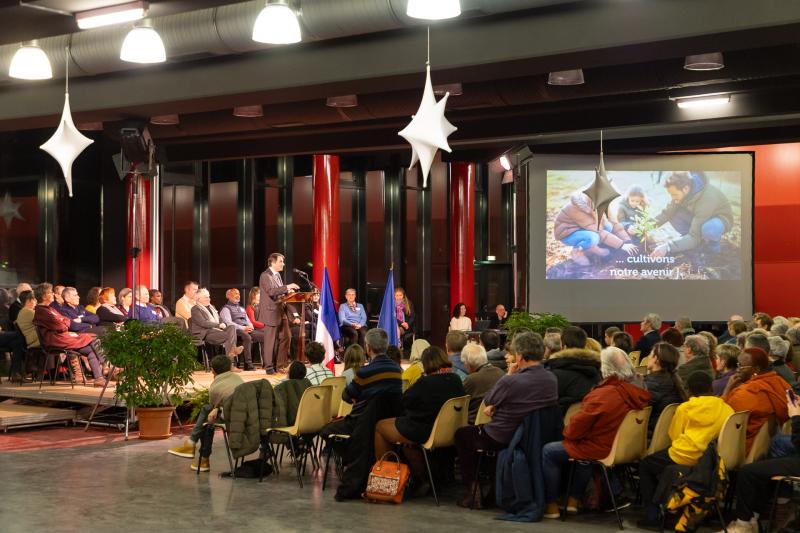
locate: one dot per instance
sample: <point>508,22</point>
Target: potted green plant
<point>156,363</point>
<point>537,322</point>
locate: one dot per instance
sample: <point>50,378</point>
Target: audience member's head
<point>683,323</point>
<point>593,345</point>
<point>297,370</point>
<point>233,295</point>
<point>474,356</point>
<point>490,340</point>
<point>699,384</point>
<point>741,339</point>
<point>394,353</point>
<point>377,341</point>
<point>43,293</point>
<point>623,341</point>
<point>143,296</point>
<point>728,356</point>
<point>417,347</point>
<point>500,311</point>
<point>528,346</point>
<point>315,352</point>
<point>202,296</point>
<point>757,340</point>
<point>92,296</point>
<point>615,363</point>
<point>220,364</point>
<point>70,296</point>
<point>695,346</point>
<point>752,361</point>
<point>651,322</point>
<point>58,295</point>
<point>552,344</point>
<point>354,357</point>
<point>126,295</point>
<point>156,298</point>
<point>793,334</point>
<point>778,320</point>
<point>778,329</point>
<point>553,329</point>
<point>459,310</point>
<point>27,299</point>
<point>712,343</point>
<point>664,356</point>
<point>190,289</point>
<point>350,296</point>
<point>736,327</point>
<point>455,341</point>
<point>573,337</point>
<point>608,335</point>
<point>762,320</point>
<point>434,359</point>
<point>107,296</point>
<point>673,336</point>
<point>778,348</point>
<point>253,296</point>
<point>22,287</point>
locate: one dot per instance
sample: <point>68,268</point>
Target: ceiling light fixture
<point>277,24</point>
<point>165,120</point>
<point>248,111</point>
<point>143,44</point>
<point>712,61</point>
<point>106,16</point>
<point>433,9</point>
<point>347,100</point>
<point>454,89</point>
<point>703,101</point>
<point>566,77</point>
<point>30,63</point>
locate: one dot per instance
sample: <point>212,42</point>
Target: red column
<point>143,218</point>
<point>326,221</point>
<point>462,236</point>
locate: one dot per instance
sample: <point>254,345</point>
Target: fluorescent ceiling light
<point>143,44</point>
<point>433,9</point>
<point>30,63</point>
<point>505,162</point>
<point>277,24</point>
<point>566,77</point>
<point>697,102</point>
<point>712,61</point>
<point>106,16</point>
<point>455,89</point>
<point>248,111</point>
<point>165,120</point>
<point>347,100</point>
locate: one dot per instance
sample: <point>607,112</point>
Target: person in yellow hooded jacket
<point>696,423</point>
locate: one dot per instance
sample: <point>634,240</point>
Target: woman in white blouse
<point>460,320</point>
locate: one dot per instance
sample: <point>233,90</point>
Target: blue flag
<point>387,320</point>
<point>328,325</point>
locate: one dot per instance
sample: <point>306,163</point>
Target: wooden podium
<point>302,298</point>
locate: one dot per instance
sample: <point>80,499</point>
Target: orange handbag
<point>387,480</point>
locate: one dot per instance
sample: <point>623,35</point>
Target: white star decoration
<point>9,210</point>
<point>428,130</point>
<point>66,144</point>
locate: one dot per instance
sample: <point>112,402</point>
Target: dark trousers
<point>247,343</point>
<point>650,470</point>
<point>470,439</point>
<point>95,355</point>
<point>754,489</point>
<point>14,342</point>
<point>281,336</point>
<point>352,335</point>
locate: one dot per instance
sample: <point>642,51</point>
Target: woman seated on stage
<point>405,318</point>
<point>460,320</point>
<point>253,306</point>
<point>107,310</point>
<point>125,300</point>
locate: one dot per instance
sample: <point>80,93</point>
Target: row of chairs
<point>48,357</point>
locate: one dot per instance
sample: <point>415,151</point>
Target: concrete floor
<point>138,487</point>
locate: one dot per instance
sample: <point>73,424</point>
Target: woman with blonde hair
<point>354,358</point>
<point>415,371</point>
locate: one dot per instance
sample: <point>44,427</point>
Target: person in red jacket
<point>253,301</point>
<point>56,334</point>
<point>590,432</point>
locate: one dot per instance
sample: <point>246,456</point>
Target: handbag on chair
<point>387,480</point>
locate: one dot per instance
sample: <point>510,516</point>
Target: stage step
<point>17,415</point>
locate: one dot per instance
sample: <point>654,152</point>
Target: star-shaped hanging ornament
<point>428,130</point>
<point>601,190</point>
<point>66,144</point>
<point>9,210</point>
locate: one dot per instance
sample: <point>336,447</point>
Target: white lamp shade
<point>276,24</point>
<point>30,63</point>
<point>433,9</point>
<point>143,45</point>
<point>712,61</point>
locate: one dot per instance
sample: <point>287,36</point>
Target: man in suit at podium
<point>273,314</point>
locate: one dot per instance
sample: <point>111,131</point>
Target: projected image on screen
<point>664,225</point>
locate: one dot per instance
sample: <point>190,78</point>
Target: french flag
<point>328,325</point>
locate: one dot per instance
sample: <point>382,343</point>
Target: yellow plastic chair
<point>406,384</point>
<point>312,415</point>
<point>635,357</point>
<point>571,410</point>
<point>629,446</point>
<point>732,440</point>
<point>760,447</point>
<point>337,384</point>
<point>344,409</point>
<point>660,439</point>
<point>482,418</point>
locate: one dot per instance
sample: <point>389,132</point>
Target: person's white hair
<point>654,320</point>
<point>615,362</point>
<point>552,341</point>
<point>202,292</point>
<point>417,347</point>
<point>778,347</point>
<point>474,355</point>
<point>778,329</point>
<point>698,344</point>
<point>778,319</point>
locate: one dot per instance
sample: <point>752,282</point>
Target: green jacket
<point>287,400</point>
<point>248,413</point>
<point>697,364</point>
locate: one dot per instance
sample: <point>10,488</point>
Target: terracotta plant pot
<point>154,422</point>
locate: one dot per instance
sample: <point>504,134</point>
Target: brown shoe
<point>99,382</point>
<point>77,371</point>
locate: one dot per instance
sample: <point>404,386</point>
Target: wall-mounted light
<point>703,101</point>
<point>277,24</point>
<point>106,16</point>
<point>712,61</point>
<point>566,77</point>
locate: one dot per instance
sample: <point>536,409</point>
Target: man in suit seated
<point>352,319</point>
<point>144,312</point>
<point>206,326</point>
<point>234,315</point>
<point>499,317</point>
<point>17,305</point>
<point>80,320</point>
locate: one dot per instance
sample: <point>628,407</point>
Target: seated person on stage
<point>482,376</point>
<point>414,370</point>
<point>16,305</point>
<point>91,299</point>
<point>454,342</point>
<point>757,389</point>
<point>460,320</point>
<point>144,312</point>
<point>25,319</point>
<point>404,313</point>
<point>81,321</point>
<point>354,358</point>
<point>225,382</point>
<point>58,298</point>
<point>696,423</point>
<point>315,353</point>
<point>235,316</point>
<point>15,342</point>
<point>421,405</point>
<point>499,317</point>
<point>591,431</point>
<point>56,334</point>
<point>108,312</point>
<point>496,355</point>
<point>352,319</point>
<point>125,300</point>
<point>183,307</point>
<point>157,301</point>
<point>576,368</point>
<point>525,389</point>
<point>207,326</point>
<point>253,307</point>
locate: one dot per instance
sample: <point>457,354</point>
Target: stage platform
<point>19,415</point>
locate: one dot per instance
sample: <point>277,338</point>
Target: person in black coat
<point>576,368</point>
<point>662,382</point>
<point>421,405</point>
<point>404,314</point>
<point>651,323</point>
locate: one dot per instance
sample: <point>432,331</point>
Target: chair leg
<point>430,475</point>
<point>228,452</point>
<point>722,518</point>
<point>327,464</point>
<point>774,505</point>
<point>200,442</point>
<point>569,489</point>
<point>476,481</point>
<point>611,493</point>
<point>663,512</point>
<point>297,462</point>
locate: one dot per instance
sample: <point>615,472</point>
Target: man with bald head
<point>499,317</point>
<point>726,335</point>
<point>16,306</point>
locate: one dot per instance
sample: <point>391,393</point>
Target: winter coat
<point>662,388</point>
<point>762,395</point>
<point>578,214</point>
<point>248,414</point>
<point>287,400</point>
<point>56,332</point>
<point>577,371</point>
<point>697,422</point>
<point>699,363</point>
<point>591,430</point>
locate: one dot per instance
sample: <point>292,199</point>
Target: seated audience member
<point>576,368</point>
<point>552,344</point>
<point>404,313</point>
<point>734,329</point>
<point>143,311</point>
<point>794,337</point>
<point>762,320</point>
<point>727,362</point>
<point>591,431</point>
<point>354,358</point>
<point>608,335</point>
<point>454,342</point>
<point>225,382</point>
<point>673,336</point>
<point>381,376</point>
<point>482,376</point>
<point>157,301</point>
<point>92,296</point>
<point>315,353</point>
<point>253,307</point>
<point>16,305</point>
<point>525,389</point>
<point>712,347</point>
<point>624,342</point>
<point>756,389</point>
<point>684,325</point>
<point>728,335</point>
<point>207,326</point>
<point>754,485</point>
<point>393,353</point>
<point>778,330</point>
<point>81,321</point>
<point>553,329</point>
<point>6,298</point>
<point>421,405</point>
<point>662,382</point>
<point>297,371</point>
<point>779,349</point>
<point>56,334</point>
<point>593,345</point>
<point>650,325</point>
<point>234,315</point>
<point>108,312</point>
<point>352,319</point>
<point>695,351</point>
<point>696,423</point>
<point>491,343</point>
<point>415,370</point>
<point>183,307</point>
<point>499,317</point>
<point>25,319</point>
<point>16,341</point>
<point>58,298</point>
<point>460,320</point>
<point>125,300</point>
